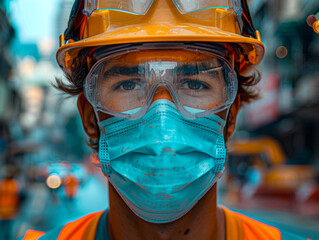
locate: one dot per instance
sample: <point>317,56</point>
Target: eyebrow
<point>191,69</point>
<point>187,69</point>
<point>124,70</point>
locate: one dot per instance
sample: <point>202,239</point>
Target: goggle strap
<point>82,26</point>
<point>73,30</point>
<point>232,54</point>
<point>88,58</point>
<point>248,27</point>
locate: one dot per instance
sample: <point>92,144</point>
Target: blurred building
<point>6,35</point>
<point>274,162</point>
<point>289,107</point>
<point>63,15</point>
<point>10,100</point>
<point>33,119</point>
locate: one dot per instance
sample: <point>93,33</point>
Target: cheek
<point>223,115</point>
<point>231,121</point>
<point>104,116</point>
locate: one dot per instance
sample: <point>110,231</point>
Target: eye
<point>193,85</point>
<point>129,85</point>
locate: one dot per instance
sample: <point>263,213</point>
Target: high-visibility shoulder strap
<point>234,226</point>
<point>92,227</point>
<point>32,235</point>
<point>248,228</point>
<point>76,230</point>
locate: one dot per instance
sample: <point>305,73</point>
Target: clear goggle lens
<point>136,7</point>
<point>124,84</point>
<point>187,6</point>
<point>141,7</point>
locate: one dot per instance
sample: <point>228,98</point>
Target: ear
<point>232,117</point>
<point>89,121</point>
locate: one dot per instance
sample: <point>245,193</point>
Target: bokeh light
<point>311,20</point>
<point>54,181</point>
<point>281,52</point>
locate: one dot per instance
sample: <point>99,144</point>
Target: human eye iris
<point>193,85</point>
<point>129,85</point>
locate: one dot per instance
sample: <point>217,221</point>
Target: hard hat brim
<point>159,33</point>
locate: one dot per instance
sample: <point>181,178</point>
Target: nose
<point>162,93</point>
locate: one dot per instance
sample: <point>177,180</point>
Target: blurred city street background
<point>273,166</point>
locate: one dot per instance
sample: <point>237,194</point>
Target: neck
<point>204,222</point>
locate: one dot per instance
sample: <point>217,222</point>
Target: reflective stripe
<point>32,235</point>
<point>289,236</point>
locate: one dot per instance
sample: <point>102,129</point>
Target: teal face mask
<point>162,164</point>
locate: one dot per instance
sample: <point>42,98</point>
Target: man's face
<point>162,162</point>
<point>128,80</point>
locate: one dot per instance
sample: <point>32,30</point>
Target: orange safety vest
<point>238,227</point>
<point>9,198</point>
<point>82,228</point>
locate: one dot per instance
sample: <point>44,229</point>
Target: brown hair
<point>247,90</point>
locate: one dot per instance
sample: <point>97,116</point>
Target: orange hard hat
<point>316,26</point>
<point>162,22</point>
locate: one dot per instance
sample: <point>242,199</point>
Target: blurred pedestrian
<point>70,184</point>
<point>9,203</point>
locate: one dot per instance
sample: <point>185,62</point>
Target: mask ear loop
<point>105,164</point>
<point>220,174</point>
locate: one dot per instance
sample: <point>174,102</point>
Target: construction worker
<point>159,85</point>
<point>9,203</point>
<point>71,184</point>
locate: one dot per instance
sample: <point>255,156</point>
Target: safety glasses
<point>141,7</point>
<point>125,80</point>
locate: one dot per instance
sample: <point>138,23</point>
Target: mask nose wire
<point>161,76</point>
<point>162,92</point>
<point>160,79</point>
